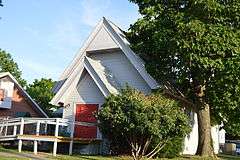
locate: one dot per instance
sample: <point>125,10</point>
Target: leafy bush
<point>173,148</point>
<point>142,121</point>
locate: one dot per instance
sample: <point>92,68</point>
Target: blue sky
<point>44,35</point>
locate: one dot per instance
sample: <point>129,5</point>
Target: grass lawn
<point>12,154</point>
<point>77,157</point>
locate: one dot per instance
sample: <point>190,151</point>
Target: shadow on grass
<point>87,157</point>
<point>13,152</point>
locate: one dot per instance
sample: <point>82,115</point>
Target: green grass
<point>79,157</point>
<point>229,157</point>
<point>15,156</point>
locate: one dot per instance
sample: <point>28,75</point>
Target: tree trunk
<point>205,147</point>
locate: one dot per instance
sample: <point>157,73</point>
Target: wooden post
<point>35,147</point>
<point>37,134</point>
<point>14,130</point>
<point>71,147</point>
<point>57,127</point>
<point>20,145</point>
<point>45,128</point>
<point>71,136</point>
<point>22,126</point>
<point>38,128</point>
<point>56,135</point>
<point>55,148</point>
<point>21,133</point>
<point>6,129</point>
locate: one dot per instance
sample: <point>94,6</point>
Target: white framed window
<point>6,93</point>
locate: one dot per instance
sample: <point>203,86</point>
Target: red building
<point>15,101</point>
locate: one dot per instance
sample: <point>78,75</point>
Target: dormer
<point>6,93</point>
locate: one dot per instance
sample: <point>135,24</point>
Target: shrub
<point>173,148</point>
<point>142,121</point>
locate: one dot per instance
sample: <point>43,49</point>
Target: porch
<point>42,130</point>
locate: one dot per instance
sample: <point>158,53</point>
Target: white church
<point>104,65</point>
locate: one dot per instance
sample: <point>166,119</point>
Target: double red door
<point>85,113</point>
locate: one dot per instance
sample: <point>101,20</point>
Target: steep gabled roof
<point>134,59</point>
<point>105,84</point>
<point>25,94</point>
<point>81,53</point>
<point>100,79</point>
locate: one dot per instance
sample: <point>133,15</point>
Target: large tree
<point>41,92</point>
<point>7,64</point>
<point>194,45</point>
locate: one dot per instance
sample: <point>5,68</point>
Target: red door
<point>85,113</point>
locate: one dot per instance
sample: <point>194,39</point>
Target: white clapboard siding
<point>102,36</point>
<point>122,70</point>
<point>85,92</point>
<point>215,138</point>
<point>191,140</point>
<point>68,113</point>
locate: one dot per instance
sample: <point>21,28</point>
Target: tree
<point>194,45</point>
<point>1,5</point>
<point>7,64</point>
<point>142,120</point>
<point>41,92</point>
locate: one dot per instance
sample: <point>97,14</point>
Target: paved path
<point>24,155</point>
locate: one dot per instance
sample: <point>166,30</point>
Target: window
<point>2,95</point>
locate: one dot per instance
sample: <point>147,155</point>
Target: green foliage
<point>141,119</point>
<point>7,64</point>
<point>41,92</point>
<point>173,148</point>
<point>194,44</point>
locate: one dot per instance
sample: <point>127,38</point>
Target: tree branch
<point>148,141</point>
<point>159,146</point>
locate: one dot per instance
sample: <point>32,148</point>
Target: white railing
<point>12,129</point>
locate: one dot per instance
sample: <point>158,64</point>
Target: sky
<point>44,35</point>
